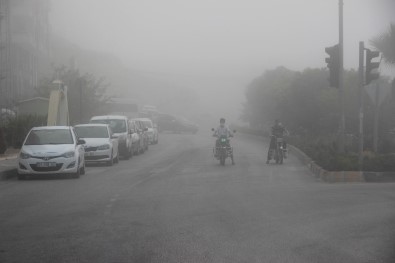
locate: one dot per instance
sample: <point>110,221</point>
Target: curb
<point>8,174</point>
<point>8,167</point>
<point>341,176</point>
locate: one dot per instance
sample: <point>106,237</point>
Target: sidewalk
<point>8,163</point>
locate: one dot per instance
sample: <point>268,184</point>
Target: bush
<point>18,127</point>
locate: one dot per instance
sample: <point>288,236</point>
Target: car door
<point>80,150</point>
<point>114,141</point>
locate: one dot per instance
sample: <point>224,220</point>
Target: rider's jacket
<point>223,131</point>
<point>278,131</point>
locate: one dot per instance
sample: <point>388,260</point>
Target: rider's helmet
<point>222,122</point>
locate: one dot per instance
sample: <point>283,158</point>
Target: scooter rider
<point>278,131</point>
<point>222,130</point>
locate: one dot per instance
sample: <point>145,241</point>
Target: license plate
<point>46,164</point>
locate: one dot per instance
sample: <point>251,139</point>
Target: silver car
<point>100,143</point>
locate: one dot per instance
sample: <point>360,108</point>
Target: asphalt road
<point>176,203</point>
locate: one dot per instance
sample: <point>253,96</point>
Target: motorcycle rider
<point>222,130</point>
<point>278,131</point>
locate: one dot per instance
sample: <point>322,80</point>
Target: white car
<point>120,126</point>
<point>51,150</point>
<point>100,143</point>
<point>152,130</point>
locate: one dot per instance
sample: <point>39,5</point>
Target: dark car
<point>170,123</point>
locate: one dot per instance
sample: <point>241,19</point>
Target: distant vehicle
<point>51,150</point>
<point>142,130</point>
<point>123,106</point>
<point>121,129</point>
<point>152,130</point>
<point>170,123</point>
<point>100,143</point>
<point>137,138</point>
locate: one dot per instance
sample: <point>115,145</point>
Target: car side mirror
<point>145,129</point>
<point>81,141</point>
<point>113,136</point>
<point>131,132</point>
<point>212,129</point>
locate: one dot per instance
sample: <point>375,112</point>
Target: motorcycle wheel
<point>276,157</point>
<point>222,160</point>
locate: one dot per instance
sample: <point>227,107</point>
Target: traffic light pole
<point>341,80</point>
<point>361,103</point>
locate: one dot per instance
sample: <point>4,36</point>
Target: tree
<point>385,43</point>
<point>86,94</point>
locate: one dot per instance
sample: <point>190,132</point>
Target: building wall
<point>28,47</point>
<point>34,107</point>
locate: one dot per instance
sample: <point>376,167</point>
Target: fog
<point>217,47</point>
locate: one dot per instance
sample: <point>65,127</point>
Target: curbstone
<point>8,174</point>
<point>330,176</point>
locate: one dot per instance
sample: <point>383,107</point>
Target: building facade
<point>24,48</point>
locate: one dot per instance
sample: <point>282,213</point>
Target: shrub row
<point>324,151</point>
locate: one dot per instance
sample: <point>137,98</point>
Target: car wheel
<point>111,161</point>
<point>78,173</point>
<point>83,169</point>
<point>116,160</point>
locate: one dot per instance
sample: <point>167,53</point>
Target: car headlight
<point>69,155</point>
<point>25,155</point>
<point>104,147</point>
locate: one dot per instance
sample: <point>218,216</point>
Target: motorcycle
<point>278,153</point>
<point>223,150</point>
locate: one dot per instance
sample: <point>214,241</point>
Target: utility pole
<point>341,80</point>
<point>376,118</point>
<point>361,103</point>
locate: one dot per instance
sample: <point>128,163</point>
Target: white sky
<point>232,40</point>
<point>245,36</point>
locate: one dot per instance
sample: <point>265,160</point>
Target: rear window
<point>92,132</point>
<point>116,125</point>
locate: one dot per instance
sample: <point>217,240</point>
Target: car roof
<point>91,124</point>
<point>51,128</point>
<point>143,119</point>
<point>109,117</point>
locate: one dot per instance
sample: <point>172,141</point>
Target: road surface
<point>175,203</point>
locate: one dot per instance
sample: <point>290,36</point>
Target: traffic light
<point>333,64</point>
<point>371,66</point>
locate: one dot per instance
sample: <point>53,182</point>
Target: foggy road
<point>176,203</point>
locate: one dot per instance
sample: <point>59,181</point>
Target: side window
<point>74,135</point>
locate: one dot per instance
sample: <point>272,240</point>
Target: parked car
<point>137,138</point>
<point>51,150</point>
<point>121,129</point>
<point>100,143</point>
<point>152,131</point>
<point>142,131</point>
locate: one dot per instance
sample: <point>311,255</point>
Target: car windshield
<point>148,124</point>
<point>92,131</point>
<point>43,137</point>
<point>117,126</point>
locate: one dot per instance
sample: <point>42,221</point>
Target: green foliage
<point>3,144</point>
<point>385,43</point>
<point>18,127</point>
<point>324,153</point>
<point>86,94</point>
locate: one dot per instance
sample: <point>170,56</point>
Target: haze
<point>218,47</point>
